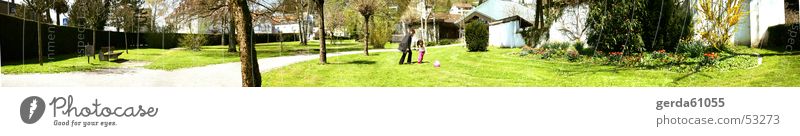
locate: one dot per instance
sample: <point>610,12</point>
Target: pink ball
<point>437,64</point>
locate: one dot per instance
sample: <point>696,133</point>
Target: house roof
<point>462,5</point>
<point>439,17</point>
<point>494,10</point>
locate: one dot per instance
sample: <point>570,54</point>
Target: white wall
<point>763,14</point>
<point>742,34</point>
<point>505,35</point>
<point>568,21</point>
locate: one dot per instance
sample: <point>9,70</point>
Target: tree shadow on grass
<point>46,59</point>
<point>698,68</point>
<point>120,60</point>
<point>355,62</point>
<point>575,70</point>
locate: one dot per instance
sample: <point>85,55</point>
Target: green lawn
<point>171,59</point>
<point>501,67</point>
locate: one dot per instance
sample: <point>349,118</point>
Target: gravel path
<point>133,75</point>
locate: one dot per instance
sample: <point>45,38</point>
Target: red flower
<point>711,55</point>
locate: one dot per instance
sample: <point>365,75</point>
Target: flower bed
<point>655,60</point>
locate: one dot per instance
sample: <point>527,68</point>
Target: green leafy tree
<point>616,25</point>
<point>670,22</point>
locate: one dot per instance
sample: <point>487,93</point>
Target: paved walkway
<point>133,75</point>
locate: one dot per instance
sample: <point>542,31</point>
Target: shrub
<point>477,36</point>
<point>429,43</point>
<point>717,19</point>
<point>193,41</point>
<point>578,46</point>
<point>691,49</point>
<point>547,54</point>
<point>573,55</point>
<point>446,41</point>
<point>556,46</point>
<point>587,51</point>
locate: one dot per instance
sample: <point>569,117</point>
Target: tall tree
<point>123,16</point>
<point>367,9</point>
<point>91,14</point>
<point>320,4</point>
<point>251,77</point>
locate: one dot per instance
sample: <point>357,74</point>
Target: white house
<point>505,19</point>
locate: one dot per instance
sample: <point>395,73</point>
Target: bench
<point>107,53</point>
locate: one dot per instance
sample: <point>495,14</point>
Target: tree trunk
<point>39,39</point>
<point>303,30</point>
<point>231,32</point>
<point>366,39</point>
<point>58,19</point>
<point>323,59</point>
<point>126,41</point>
<point>251,77</point>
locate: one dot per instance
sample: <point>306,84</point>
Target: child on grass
<point>421,49</point>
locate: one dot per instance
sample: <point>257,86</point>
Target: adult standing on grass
<point>405,47</point>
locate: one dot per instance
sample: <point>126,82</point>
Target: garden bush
<point>692,49</point>
<point>477,36</point>
<point>193,41</point>
<point>430,43</point>
<point>573,55</point>
<point>446,41</point>
<point>579,46</point>
<point>556,45</point>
